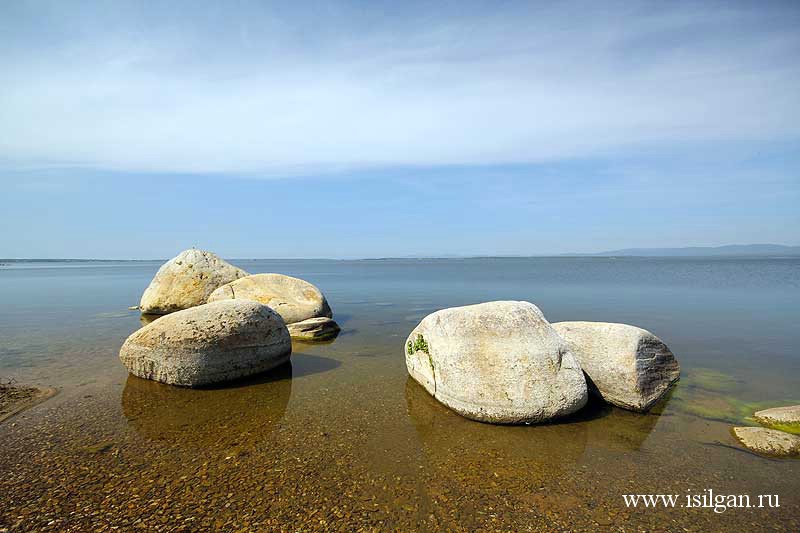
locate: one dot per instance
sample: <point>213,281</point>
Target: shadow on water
<point>145,319</point>
<point>304,364</point>
<point>613,428</point>
<point>343,318</point>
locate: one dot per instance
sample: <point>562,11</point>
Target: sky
<point>392,129</point>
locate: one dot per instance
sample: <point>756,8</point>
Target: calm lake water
<point>343,440</point>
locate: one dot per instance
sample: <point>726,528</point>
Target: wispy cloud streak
<point>269,90</point>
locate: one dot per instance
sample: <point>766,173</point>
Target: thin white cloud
<point>263,91</point>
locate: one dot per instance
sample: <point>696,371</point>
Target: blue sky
<point>256,129</point>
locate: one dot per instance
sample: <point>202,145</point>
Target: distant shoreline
<point>9,262</point>
<point>729,251</point>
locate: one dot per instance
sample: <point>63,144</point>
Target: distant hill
<point>734,250</point>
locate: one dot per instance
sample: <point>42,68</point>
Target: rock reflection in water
<point>447,437</point>
<point>239,413</point>
<point>598,425</point>
<point>473,462</point>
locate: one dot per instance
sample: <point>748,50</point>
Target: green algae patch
<point>783,418</point>
<point>712,406</point>
<point>712,380</point>
<point>419,344</point>
<point>786,428</point>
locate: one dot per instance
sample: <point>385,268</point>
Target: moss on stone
<point>787,428</point>
<point>419,344</point>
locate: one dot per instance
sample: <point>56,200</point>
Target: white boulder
<point>497,362</point>
<point>186,281</point>
<point>293,298</point>
<point>208,344</point>
<point>627,366</point>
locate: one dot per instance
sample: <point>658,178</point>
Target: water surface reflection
<point>245,411</point>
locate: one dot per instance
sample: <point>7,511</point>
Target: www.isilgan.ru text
<point>706,499</point>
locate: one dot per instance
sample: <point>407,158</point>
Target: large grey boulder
<point>293,298</point>
<point>626,366</point>
<point>187,280</point>
<point>208,344</point>
<point>768,441</point>
<point>497,362</point>
<point>783,418</point>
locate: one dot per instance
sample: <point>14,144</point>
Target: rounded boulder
<point>498,362</point>
<point>627,366</point>
<point>208,344</point>
<point>292,298</point>
<point>187,280</point>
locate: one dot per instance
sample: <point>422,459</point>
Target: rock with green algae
<point>768,441</point>
<point>783,418</point>
<point>498,362</point>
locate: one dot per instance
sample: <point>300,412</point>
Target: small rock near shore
<point>625,365</point>
<point>768,441</point>
<point>187,280</point>
<point>782,418</point>
<point>208,344</point>
<point>314,329</point>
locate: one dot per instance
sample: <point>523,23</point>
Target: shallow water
<point>341,439</point>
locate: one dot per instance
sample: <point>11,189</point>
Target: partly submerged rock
<point>768,441</point>
<point>497,362</point>
<point>293,298</point>
<point>314,329</point>
<point>627,366</point>
<point>186,281</point>
<point>783,418</point>
<point>208,344</point>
